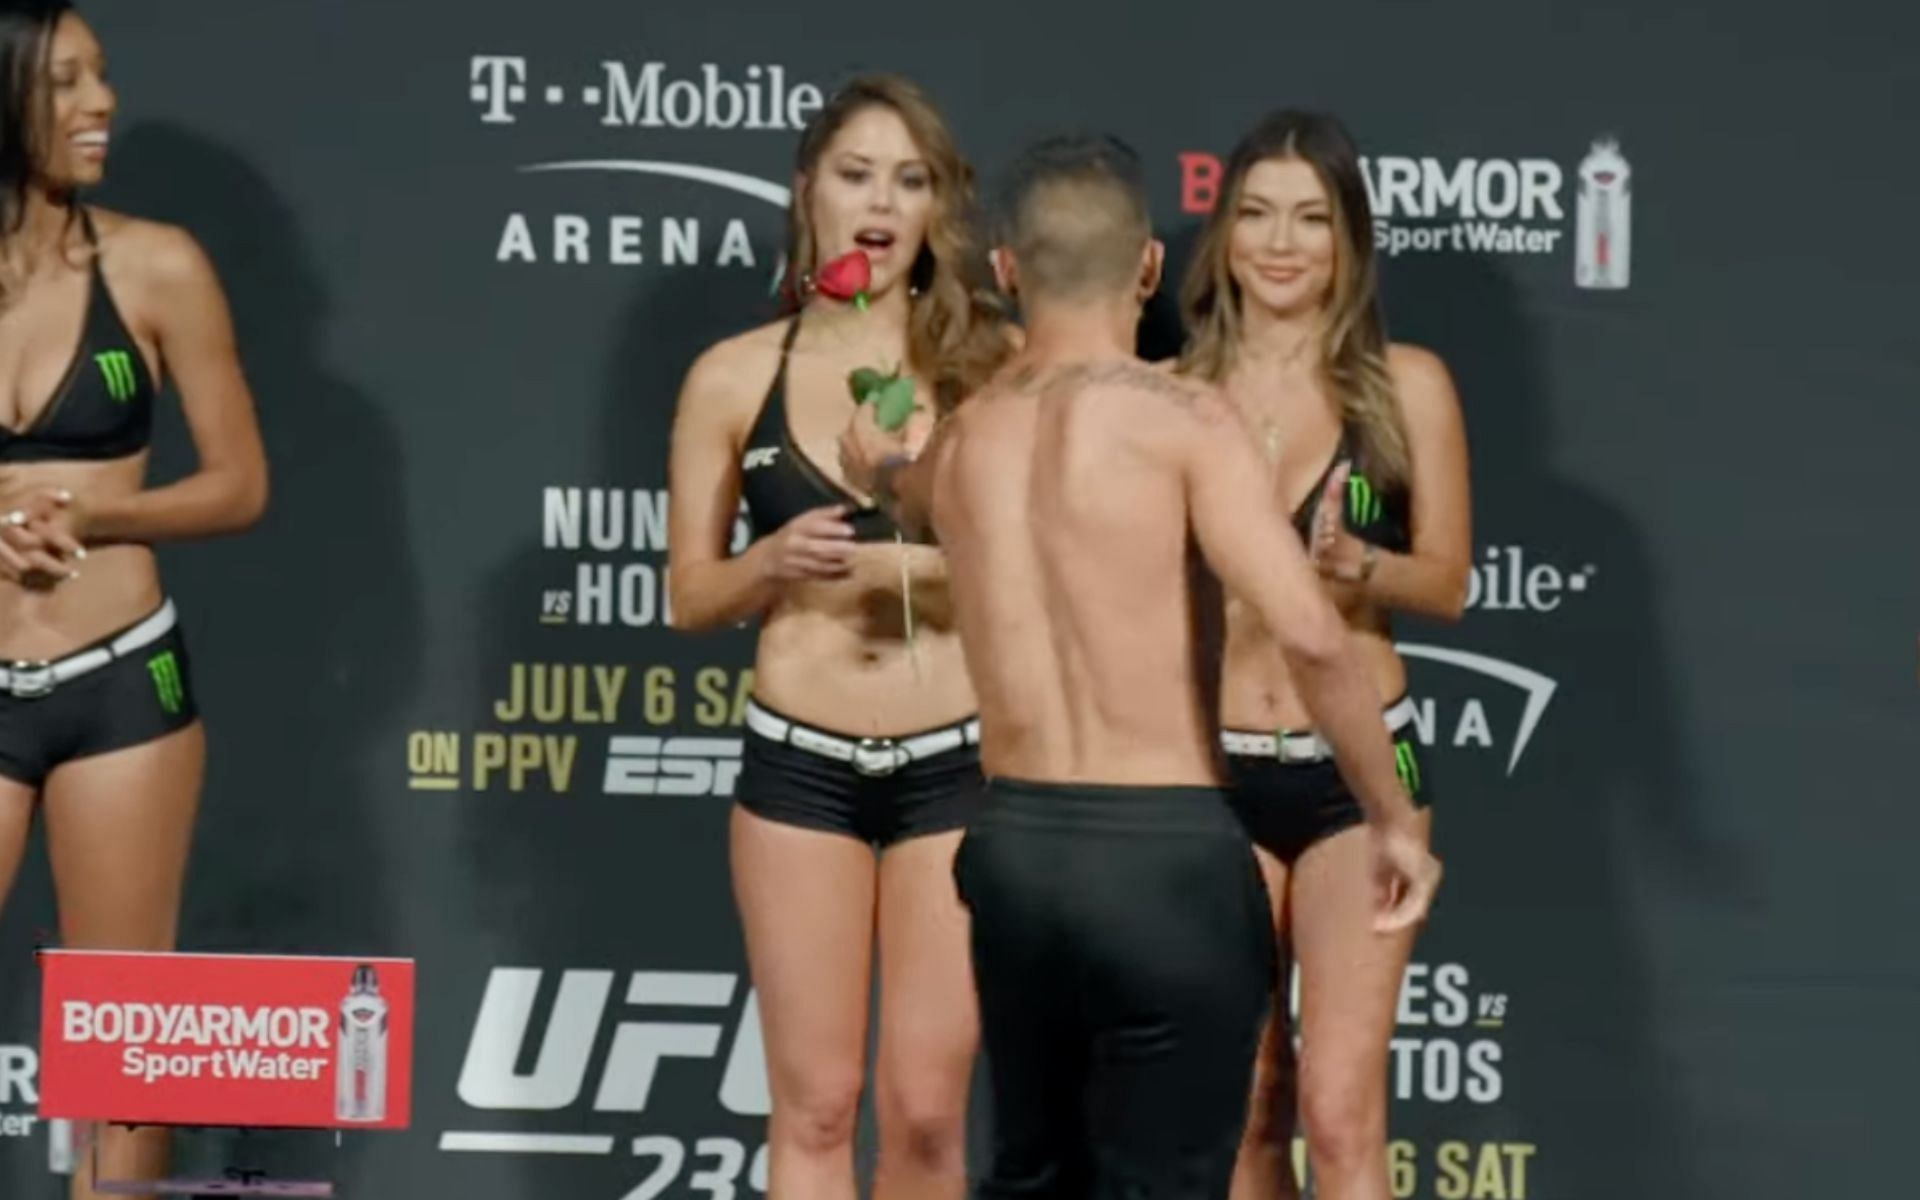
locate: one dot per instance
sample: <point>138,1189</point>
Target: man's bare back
<point>1060,499</point>
<point>1087,505</point>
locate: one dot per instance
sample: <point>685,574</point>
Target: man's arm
<point>1251,546</point>
<point>903,488</point>
<point>882,465</point>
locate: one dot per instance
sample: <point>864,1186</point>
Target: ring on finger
<point>16,517</point>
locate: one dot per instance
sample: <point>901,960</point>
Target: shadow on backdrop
<point>585,879</point>
<point>1550,871</point>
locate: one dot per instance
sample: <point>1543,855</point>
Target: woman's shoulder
<point>738,366</point>
<point>152,247</point>
<point>1415,364</point>
<point>150,254</point>
<point>158,273</point>
<point>1420,377</point>
<point>751,351</point>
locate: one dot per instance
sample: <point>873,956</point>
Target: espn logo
<point>685,766</point>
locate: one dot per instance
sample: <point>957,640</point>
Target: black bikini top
<point>103,407</point>
<point>779,482</point>
<point>1383,518</point>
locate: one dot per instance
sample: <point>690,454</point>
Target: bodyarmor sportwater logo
<point>168,684</point>
<point>1505,206</point>
<point>116,367</point>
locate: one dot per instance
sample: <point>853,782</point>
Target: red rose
<point>847,278</point>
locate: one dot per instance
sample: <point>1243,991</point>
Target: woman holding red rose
<point>860,734</point>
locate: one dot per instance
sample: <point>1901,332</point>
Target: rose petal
<point>846,277</point>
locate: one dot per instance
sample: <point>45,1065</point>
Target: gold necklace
<point>1270,431</point>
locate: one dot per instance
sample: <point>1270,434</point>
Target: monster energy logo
<point>167,684</point>
<point>1408,766</point>
<point>1363,503</point>
<point>117,367</point>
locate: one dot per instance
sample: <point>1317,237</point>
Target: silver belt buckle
<point>29,680</point>
<point>1286,754</point>
<point>877,758</point>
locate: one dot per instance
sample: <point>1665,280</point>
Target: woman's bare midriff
<point>118,584</point>
<point>836,655</point>
<point>1256,691</point>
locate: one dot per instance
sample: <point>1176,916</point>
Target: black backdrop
<point>1674,733</point>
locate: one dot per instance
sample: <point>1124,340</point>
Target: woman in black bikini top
<point>98,719</point>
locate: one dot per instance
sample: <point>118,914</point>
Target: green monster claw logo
<point>117,367</point>
<point>1408,767</point>
<point>1363,503</point>
<point>167,683</point>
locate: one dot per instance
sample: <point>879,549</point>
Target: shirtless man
<point>1122,941</point>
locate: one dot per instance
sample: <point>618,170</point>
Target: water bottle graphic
<point>361,1055</point>
<point>1603,220</point>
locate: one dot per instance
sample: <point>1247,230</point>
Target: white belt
<point>1304,747</point>
<point>869,756</point>
<point>32,680</point>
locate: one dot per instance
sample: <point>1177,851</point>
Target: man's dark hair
<point>1073,210</point>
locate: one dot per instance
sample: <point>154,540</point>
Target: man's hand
<point>864,446</point>
<point>1406,873</point>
